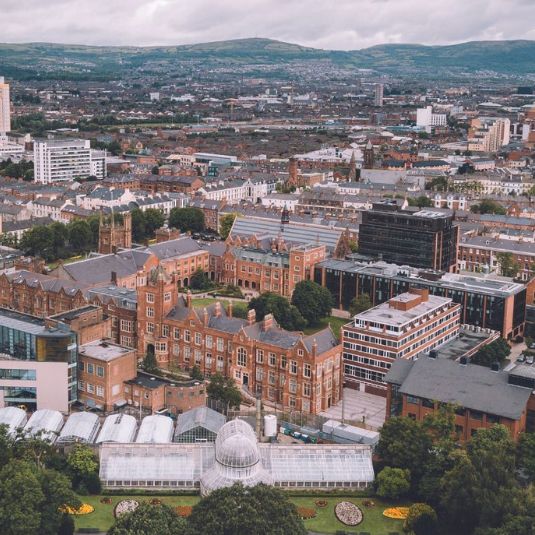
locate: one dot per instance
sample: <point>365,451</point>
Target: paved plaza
<point>360,407</point>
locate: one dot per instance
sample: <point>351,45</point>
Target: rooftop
<point>103,350</point>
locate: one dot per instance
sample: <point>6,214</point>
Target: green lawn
<point>204,301</point>
<point>325,522</point>
<point>335,322</point>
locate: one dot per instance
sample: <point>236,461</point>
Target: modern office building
<point>420,238</point>
<point>425,118</point>
<point>405,327</point>
<point>486,301</point>
<point>38,363</point>
<point>5,111</point>
<point>66,159</point>
<point>378,95</point>
<point>488,134</point>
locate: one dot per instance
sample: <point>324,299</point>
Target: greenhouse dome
<point>237,458</point>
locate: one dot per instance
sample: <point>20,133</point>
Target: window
<point>306,389</point>
<point>272,378</point>
<point>198,339</point>
<point>260,356</point>
<point>187,336</point>
<point>242,356</point>
<point>100,371</point>
<point>161,346</point>
<point>413,400</point>
<point>176,349</point>
<point>293,367</point>
<point>307,370</point>
<point>81,385</point>
<point>81,366</point>
<point>150,298</point>
<point>283,361</point>
<point>272,359</point>
<point>100,391</point>
<point>187,354</point>
<point>150,327</point>
<point>165,331</point>
<point>259,374</point>
<point>90,368</point>
<point>208,341</point>
<point>127,326</point>
<point>293,386</point>
<point>220,344</point>
<point>300,352</point>
<point>150,312</point>
<point>198,356</point>
<point>176,333</point>
<point>167,297</point>
<point>90,388</point>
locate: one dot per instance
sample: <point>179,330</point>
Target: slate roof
<point>47,282</point>
<point>474,387</point>
<point>174,248</point>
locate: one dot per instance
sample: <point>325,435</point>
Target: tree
<point>82,461</point>
<point>239,510</point>
<point>312,300</point>
<point>187,219</point>
<point>38,241</point>
<point>224,390</point>
<point>80,235</point>
<point>488,206</point>
<point>392,448</point>
<point>422,201</point>
<point>509,267</point>
<point>59,238</point>
<point>139,232</point>
<point>21,499</point>
<point>67,525</point>
<point>149,519</point>
<point>199,281</point>
<point>154,219</point>
<point>225,224</point>
<point>393,483</point>
<point>150,364</point>
<point>286,315</point>
<point>360,304</point>
<point>525,454</point>
<point>421,520</point>
<point>196,374</point>
<point>496,351</point>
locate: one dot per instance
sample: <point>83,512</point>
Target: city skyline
<point>352,25</point>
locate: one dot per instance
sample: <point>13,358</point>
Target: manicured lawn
<point>204,301</point>
<point>102,517</point>
<point>325,522</point>
<point>373,520</point>
<point>335,322</point>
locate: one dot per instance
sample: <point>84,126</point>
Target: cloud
<point>340,24</point>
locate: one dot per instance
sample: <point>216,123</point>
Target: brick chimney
<point>268,322</point>
<point>205,316</point>
<point>292,171</point>
<point>251,316</point>
<point>314,347</point>
<point>229,309</point>
<point>114,277</point>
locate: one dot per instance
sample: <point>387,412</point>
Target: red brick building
<point>290,370</point>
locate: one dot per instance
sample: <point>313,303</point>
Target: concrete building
<point>378,95</point>
<point>404,327</point>
<point>65,160</point>
<point>488,134</point>
<point>5,110</point>
<point>425,118</point>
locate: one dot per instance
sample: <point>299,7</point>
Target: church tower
<point>113,236</point>
<point>368,156</point>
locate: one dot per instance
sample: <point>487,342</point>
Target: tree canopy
<point>360,304</point>
<point>150,519</point>
<point>286,315</point>
<point>224,390</point>
<point>488,206</point>
<point>187,219</point>
<point>225,224</point>
<point>313,301</point>
<point>238,510</point>
<point>496,351</point>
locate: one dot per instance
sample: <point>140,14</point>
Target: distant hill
<point>46,60</point>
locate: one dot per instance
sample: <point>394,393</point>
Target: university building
<point>287,369</point>
<point>404,327</point>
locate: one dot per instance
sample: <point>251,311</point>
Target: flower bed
<point>84,509</point>
<point>348,513</point>
<point>306,513</point>
<point>125,506</point>
<point>321,503</point>
<point>183,510</point>
<point>398,513</point>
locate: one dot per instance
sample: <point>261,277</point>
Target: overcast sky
<point>334,24</point>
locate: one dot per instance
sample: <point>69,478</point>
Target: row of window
<point>91,388</point>
<point>90,368</point>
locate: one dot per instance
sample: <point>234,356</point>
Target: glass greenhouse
<point>46,421</point>
<point>118,428</point>
<point>235,456</point>
<point>80,427</point>
<point>13,417</point>
<point>198,425</point>
<point>156,429</point>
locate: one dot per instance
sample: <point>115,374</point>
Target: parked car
<point>529,359</point>
<point>521,358</point>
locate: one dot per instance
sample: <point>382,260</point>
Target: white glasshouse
<point>80,427</point>
<point>46,421</point>
<point>118,428</point>
<point>155,429</point>
<point>235,456</point>
<point>13,418</point>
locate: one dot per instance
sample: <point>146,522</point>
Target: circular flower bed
<point>84,509</point>
<point>183,510</point>
<point>348,513</point>
<point>306,512</point>
<point>398,513</point>
<point>106,501</point>
<point>156,501</point>
<point>321,503</point>
<point>125,506</point>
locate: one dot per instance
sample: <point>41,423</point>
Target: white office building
<point>67,159</point>
<point>5,112</point>
<point>425,118</point>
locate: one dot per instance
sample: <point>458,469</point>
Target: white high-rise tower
<point>5,113</point>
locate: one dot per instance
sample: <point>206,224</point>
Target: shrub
<point>393,482</point>
<point>183,510</point>
<point>421,519</point>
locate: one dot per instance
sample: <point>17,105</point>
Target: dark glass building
<point>423,238</point>
<point>486,301</point>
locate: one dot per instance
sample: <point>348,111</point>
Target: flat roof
<point>103,350</point>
